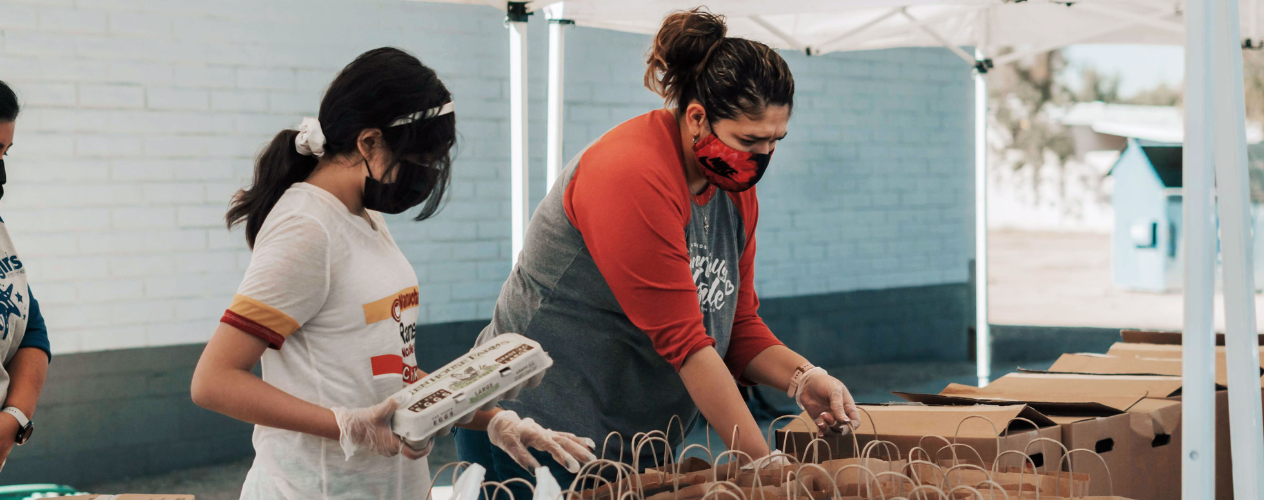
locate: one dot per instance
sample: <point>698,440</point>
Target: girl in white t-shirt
<point>329,303</point>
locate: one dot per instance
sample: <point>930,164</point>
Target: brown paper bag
<point>840,474</point>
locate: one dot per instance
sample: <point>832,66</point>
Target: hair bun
<point>681,49</point>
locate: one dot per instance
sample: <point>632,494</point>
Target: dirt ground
<point>1063,279</point>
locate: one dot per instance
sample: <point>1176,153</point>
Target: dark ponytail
<point>692,60</point>
<point>8,104</point>
<point>279,166</point>
<point>379,87</point>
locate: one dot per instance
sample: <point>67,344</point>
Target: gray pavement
<point>1064,279</point>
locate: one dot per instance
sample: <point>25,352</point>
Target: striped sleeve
<point>287,281</point>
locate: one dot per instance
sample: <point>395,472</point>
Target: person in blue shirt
<point>24,348</point>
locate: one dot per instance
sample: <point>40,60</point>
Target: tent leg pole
<point>1241,338</point>
<point>1198,419</point>
<point>518,135</point>
<point>557,60</point>
<point>983,333</point>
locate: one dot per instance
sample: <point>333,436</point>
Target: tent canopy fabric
<point>823,26</point>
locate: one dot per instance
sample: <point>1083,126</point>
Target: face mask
<point>398,196</point>
<point>3,178</point>
<point>727,168</point>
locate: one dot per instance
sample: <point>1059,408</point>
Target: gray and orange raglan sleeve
<point>287,281</point>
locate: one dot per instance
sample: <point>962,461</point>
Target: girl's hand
<point>370,429</point>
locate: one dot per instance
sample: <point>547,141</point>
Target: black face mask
<point>3,178</point>
<point>410,189</point>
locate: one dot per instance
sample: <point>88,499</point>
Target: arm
<point>773,367</point>
<point>756,356</point>
<point>27,372</point>
<point>632,221</point>
<point>222,382</point>
<point>709,384</point>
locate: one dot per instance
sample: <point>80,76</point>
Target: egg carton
<point>496,370</point>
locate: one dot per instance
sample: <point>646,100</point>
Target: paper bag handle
<point>1110,479</point>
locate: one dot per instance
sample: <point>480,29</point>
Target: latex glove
<point>516,435</point>
<point>828,402</point>
<point>775,461</point>
<point>370,429</point>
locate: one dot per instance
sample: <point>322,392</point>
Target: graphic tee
<point>623,275</point>
<point>336,301</point>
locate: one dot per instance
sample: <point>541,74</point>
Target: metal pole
<point>1242,346</point>
<point>557,59</point>
<point>983,333</point>
<point>1198,419</point>
<point>518,127</point>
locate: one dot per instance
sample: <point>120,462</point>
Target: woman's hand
<point>370,429</point>
<point>828,402</point>
<point>515,435</point>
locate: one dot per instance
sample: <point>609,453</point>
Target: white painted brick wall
<point>142,119</point>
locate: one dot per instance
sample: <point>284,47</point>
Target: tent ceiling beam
<point>942,41</point>
<point>868,24</point>
<point>763,23</point>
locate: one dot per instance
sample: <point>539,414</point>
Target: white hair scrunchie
<point>311,139</point>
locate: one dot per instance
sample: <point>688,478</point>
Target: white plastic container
<point>497,370</point>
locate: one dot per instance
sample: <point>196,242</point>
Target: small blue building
<point>1146,250</point>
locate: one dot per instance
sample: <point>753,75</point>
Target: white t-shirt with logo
<point>337,301</point>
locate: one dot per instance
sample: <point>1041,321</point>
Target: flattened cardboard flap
<point>1126,350</point>
<point>1117,392</point>
<point>1107,364</point>
<point>944,420</point>
<point>1156,352</point>
<point>963,396</point>
<point>921,420</point>
<point>1156,337</point>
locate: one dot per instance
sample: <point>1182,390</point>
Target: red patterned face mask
<point>728,168</point>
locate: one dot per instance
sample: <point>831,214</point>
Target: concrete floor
<point>1063,279</point>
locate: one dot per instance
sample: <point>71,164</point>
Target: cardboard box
<point>1165,416</point>
<point>1124,418</point>
<point>1107,364</point>
<point>1060,393</point>
<point>1141,450</point>
<point>1156,337</point>
<point>130,496</point>
<point>1137,356</point>
<point>1016,426</point>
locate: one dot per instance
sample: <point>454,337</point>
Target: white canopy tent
<point>1215,148</point>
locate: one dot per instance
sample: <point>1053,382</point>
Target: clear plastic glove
<point>828,402</point>
<point>517,435</point>
<point>775,460</point>
<point>370,429</point>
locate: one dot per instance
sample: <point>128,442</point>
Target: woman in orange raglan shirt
<point>637,274</point>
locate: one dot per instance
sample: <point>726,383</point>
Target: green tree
<point>1021,96</point>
